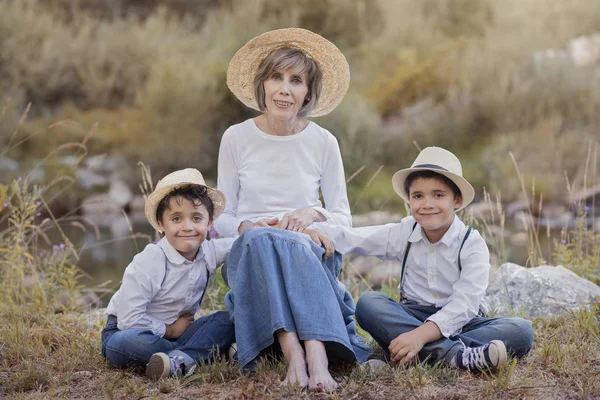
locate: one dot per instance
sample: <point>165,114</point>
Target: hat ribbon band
<point>430,166</point>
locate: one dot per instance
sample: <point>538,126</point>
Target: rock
<point>37,174</point>
<point>99,204</point>
<point>553,210</point>
<point>387,273</point>
<point>68,161</point>
<point>137,207</point>
<point>375,218</point>
<point>8,164</point>
<point>519,239</point>
<point>119,192</point>
<point>585,50</point>
<point>104,163</point>
<point>542,291</point>
<point>516,207</point>
<point>80,375</point>
<point>482,210</point>
<point>361,265</point>
<point>100,209</point>
<point>88,179</point>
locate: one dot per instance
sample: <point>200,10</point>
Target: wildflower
<point>38,214</point>
<point>586,208</point>
<point>20,179</point>
<point>42,254</point>
<point>62,246</point>
<point>563,241</point>
<point>37,203</point>
<point>6,204</point>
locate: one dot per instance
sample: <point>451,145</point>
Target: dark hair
<point>197,194</point>
<point>431,175</point>
<point>283,59</point>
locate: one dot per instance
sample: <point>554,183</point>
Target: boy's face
<point>185,225</point>
<point>432,204</point>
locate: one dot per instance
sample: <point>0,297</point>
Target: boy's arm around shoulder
<point>217,251</point>
<point>377,240</point>
<point>469,290</point>
<point>141,282</point>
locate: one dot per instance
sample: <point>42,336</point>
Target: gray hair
<point>285,58</point>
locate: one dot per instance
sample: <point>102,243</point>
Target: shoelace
<point>474,358</point>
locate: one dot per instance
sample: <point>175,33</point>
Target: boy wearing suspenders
<point>151,317</point>
<point>445,271</point>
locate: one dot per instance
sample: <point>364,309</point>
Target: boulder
<point>87,179</point>
<point>8,164</point>
<point>119,192</point>
<point>541,291</point>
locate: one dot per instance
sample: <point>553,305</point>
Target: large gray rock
<point>119,192</point>
<point>542,291</point>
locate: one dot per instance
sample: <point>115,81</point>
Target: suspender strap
<point>405,258</point>
<point>461,246</point>
<point>403,271</point>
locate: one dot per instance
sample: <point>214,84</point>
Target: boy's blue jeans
<point>385,319</point>
<point>200,341</point>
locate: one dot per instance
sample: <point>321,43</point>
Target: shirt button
<point>431,249</point>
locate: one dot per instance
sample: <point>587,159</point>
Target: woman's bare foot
<point>318,367</point>
<point>294,355</point>
<point>296,374</point>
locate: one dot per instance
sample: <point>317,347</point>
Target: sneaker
<point>488,356</point>
<point>233,354</point>
<point>162,366</point>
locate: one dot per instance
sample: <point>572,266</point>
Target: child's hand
<point>322,240</point>
<point>177,328</point>
<point>406,346</point>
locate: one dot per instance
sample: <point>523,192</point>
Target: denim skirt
<point>279,280</point>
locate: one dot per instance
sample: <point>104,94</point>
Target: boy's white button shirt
<point>432,276</point>
<point>160,285</point>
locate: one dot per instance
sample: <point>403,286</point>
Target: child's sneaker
<point>488,356</point>
<point>162,366</point>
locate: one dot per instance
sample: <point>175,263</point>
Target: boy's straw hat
<point>444,163</point>
<point>334,67</point>
<point>176,180</point>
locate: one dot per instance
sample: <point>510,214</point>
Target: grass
<point>59,357</point>
<point>49,349</point>
<point>130,80</point>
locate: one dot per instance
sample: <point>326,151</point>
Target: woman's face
<point>285,93</point>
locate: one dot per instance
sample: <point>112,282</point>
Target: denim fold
<point>279,280</point>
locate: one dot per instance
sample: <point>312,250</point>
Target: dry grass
<point>59,357</point>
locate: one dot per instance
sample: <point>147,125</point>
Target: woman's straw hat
<point>176,180</point>
<point>333,64</point>
<point>444,163</point>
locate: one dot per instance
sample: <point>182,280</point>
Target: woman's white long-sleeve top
<point>264,176</point>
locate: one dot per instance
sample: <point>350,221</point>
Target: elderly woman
<point>271,169</point>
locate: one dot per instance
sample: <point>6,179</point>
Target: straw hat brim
<point>334,67</point>
<point>217,197</point>
<point>466,190</point>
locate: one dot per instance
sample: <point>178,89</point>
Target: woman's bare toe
<point>296,374</point>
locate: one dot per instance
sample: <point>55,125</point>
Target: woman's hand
<point>176,329</point>
<point>298,220</point>
<point>265,223</point>
<point>322,240</point>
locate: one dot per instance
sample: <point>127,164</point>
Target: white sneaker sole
<point>497,353</point>
<point>159,367</point>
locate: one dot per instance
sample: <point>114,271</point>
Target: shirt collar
<point>451,234</point>
<point>174,256</point>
